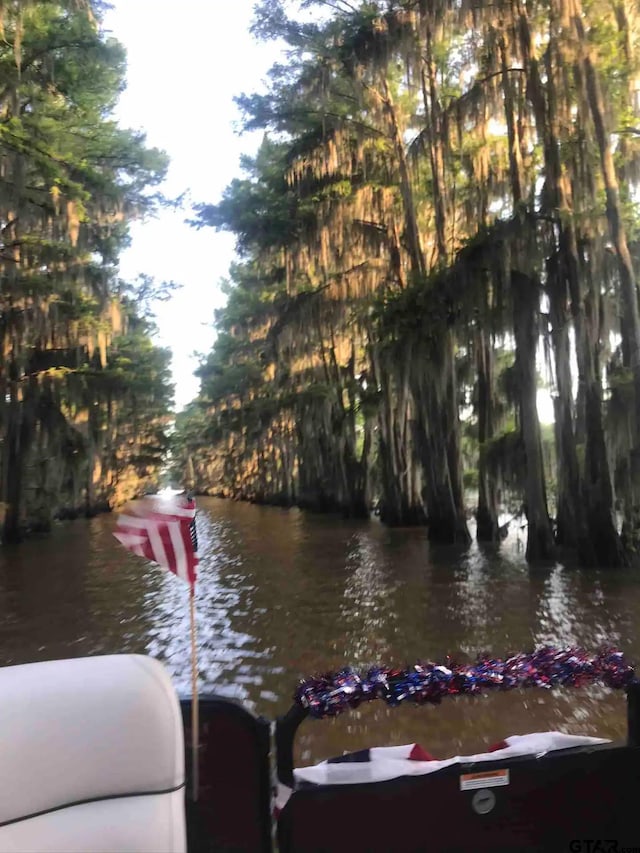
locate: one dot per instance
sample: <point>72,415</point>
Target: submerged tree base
<point>15,533</point>
<point>403,517</point>
<point>487,528</point>
<point>447,531</point>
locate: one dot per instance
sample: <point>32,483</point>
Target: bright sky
<point>186,63</point>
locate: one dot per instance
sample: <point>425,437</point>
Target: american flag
<point>164,531</point>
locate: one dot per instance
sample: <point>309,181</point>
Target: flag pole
<point>173,546</point>
<point>195,717</point>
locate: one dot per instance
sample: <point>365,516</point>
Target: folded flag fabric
<point>162,530</point>
<point>410,752</point>
<point>379,764</point>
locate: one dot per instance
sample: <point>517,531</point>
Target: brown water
<point>283,594</point>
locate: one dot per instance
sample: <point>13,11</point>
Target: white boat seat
<point>91,758</point>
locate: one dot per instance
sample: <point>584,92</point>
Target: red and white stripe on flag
<point>162,531</point>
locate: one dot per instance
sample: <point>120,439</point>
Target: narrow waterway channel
<point>283,594</point>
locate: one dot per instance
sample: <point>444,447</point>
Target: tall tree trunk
<point>438,419</point>
<point>617,231</point>
<point>451,423</point>
<point>436,431</point>
<point>18,439</point>
<point>416,254</point>
<point>433,127</point>
<point>526,300</point>
<point>400,500</point>
<point>585,501</point>
<point>606,546</point>
<point>487,529</point>
<point>569,522</point>
<point>525,293</point>
<point>515,154</point>
<point>12,468</point>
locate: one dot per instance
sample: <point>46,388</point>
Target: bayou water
<point>283,594</point>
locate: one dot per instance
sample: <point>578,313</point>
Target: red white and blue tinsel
<point>332,693</point>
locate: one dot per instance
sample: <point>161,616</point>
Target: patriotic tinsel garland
<point>332,693</point>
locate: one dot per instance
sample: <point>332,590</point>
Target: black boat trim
<point>92,800</point>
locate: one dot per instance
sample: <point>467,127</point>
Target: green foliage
<point>75,345</point>
<point>427,209</point>
<point>259,209</point>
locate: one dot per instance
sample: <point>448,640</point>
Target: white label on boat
<point>486,779</point>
